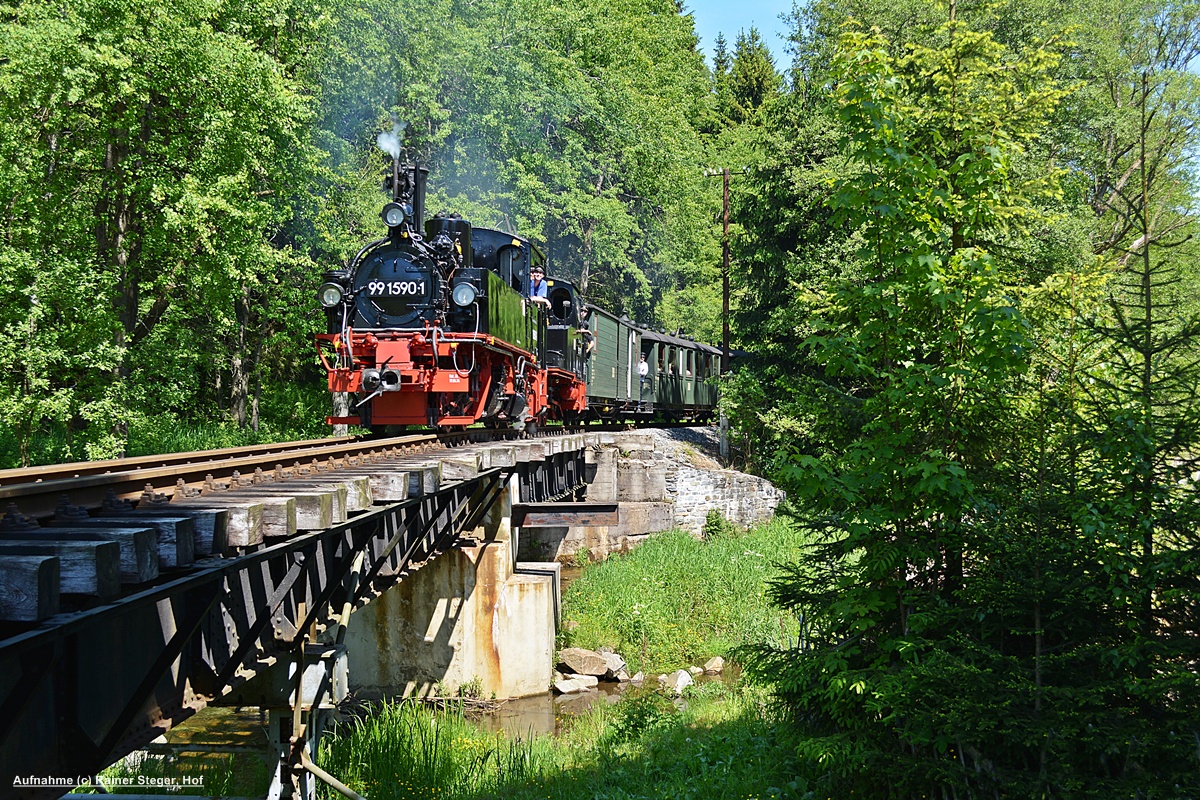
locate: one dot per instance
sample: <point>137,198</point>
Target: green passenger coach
<point>680,383</point>
<point>612,375</point>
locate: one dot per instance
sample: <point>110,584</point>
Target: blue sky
<point>723,16</point>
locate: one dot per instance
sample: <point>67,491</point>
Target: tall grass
<point>402,749</point>
<point>676,600</point>
<point>167,434</point>
<point>286,413</point>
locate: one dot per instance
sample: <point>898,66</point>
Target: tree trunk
<point>239,388</point>
<point>114,214</point>
<point>585,274</point>
<point>341,408</point>
<point>244,361</point>
<point>254,405</point>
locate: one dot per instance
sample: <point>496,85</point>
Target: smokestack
<point>408,180</point>
<point>408,188</point>
<point>419,177</point>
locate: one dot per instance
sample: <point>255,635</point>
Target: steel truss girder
<point>559,476</point>
<point>84,690</point>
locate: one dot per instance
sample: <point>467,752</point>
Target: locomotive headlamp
<point>330,294</point>
<point>393,215</point>
<point>463,294</point>
<point>371,379</point>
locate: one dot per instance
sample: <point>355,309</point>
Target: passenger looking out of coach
<point>585,333</point>
<point>537,287</point>
<point>643,371</point>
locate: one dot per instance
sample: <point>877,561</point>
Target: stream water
<point>222,730</point>
<point>544,714</point>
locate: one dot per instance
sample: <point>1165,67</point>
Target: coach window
<point>674,366</point>
<point>662,359</point>
<point>691,363</point>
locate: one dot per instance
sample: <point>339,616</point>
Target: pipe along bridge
<point>425,575</point>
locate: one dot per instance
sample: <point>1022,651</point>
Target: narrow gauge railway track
<point>232,499</point>
<point>38,491</point>
<point>78,469</point>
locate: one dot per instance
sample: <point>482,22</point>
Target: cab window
<point>561,305</point>
<point>511,261</point>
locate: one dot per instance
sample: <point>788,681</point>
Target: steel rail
<point>40,498</point>
<point>76,469</point>
<point>91,484</point>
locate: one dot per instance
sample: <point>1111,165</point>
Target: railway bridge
<point>134,594</point>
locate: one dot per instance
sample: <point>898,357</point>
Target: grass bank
<point>671,602</point>
<point>213,775</point>
<point>286,413</point>
<point>676,600</point>
<point>719,742</point>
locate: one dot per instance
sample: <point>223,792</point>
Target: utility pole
<point>724,436</point>
<point>725,278</point>
<point>725,172</point>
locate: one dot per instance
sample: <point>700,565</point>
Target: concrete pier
<point>470,617</point>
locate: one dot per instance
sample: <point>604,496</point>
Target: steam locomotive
<point>432,325</point>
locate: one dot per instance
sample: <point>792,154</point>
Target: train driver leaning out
<point>537,287</point>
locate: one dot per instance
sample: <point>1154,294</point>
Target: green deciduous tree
<point>177,176</point>
<point>993,429</point>
<point>154,151</point>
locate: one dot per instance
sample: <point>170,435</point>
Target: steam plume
<point>389,142</point>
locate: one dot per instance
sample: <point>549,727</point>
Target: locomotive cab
<point>564,343</point>
<point>505,255</point>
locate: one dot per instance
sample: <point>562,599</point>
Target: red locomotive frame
<point>436,391</point>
